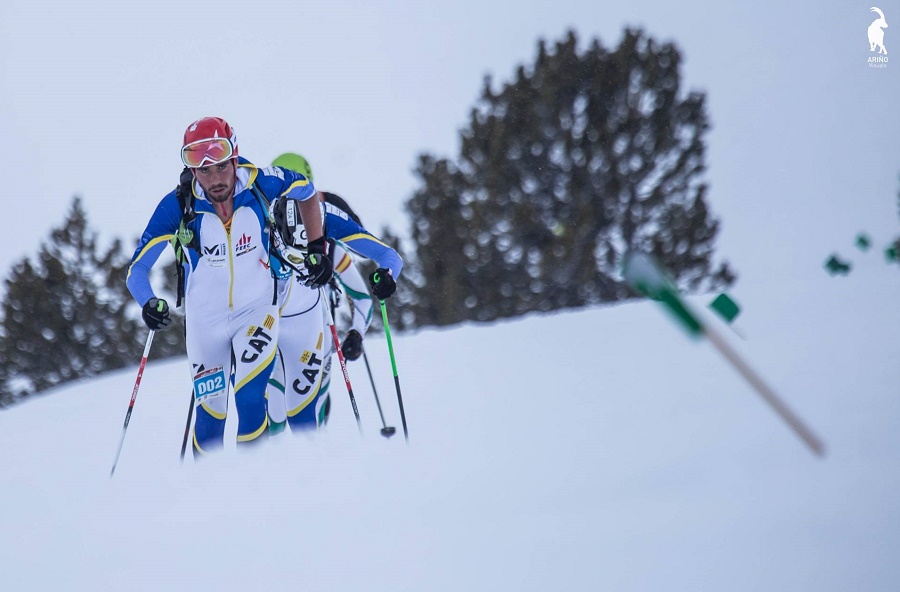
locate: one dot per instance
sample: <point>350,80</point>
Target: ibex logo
<point>876,40</point>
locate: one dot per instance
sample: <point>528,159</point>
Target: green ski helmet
<point>294,162</point>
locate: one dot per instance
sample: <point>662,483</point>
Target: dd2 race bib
<point>210,384</point>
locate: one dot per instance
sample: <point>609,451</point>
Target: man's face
<point>217,180</point>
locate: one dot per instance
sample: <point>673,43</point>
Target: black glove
<point>352,346</point>
<point>156,314</point>
<point>383,284</point>
<point>317,263</point>
<point>286,213</point>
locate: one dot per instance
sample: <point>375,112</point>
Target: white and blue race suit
<point>298,390</point>
<point>231,309</point>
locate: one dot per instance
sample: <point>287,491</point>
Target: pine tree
<point>584,155</point>
<point>68,314</point>
<point>443,250</point>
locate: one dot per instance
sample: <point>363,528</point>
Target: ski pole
<point>386,431</point>
<point>187,426</point>
<point>340,353</point>
<point>387,334</point>
<point>134,392</point>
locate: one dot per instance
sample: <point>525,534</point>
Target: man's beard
<point>221,197</point>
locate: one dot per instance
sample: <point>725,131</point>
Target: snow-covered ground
<point>590,450</point>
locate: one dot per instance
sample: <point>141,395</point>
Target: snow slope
<point>590,450</point>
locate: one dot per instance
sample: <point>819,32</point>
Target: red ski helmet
<point>208,141</point>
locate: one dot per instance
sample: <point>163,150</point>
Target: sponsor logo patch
<point>244,246</point>
<point>214,255</point>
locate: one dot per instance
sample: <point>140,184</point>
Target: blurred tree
<point>443,249</point>
<point>584,155</point>
<point>68,314</point>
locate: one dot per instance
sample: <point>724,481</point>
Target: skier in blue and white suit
<point>305,344</point>
<point>231,311</point>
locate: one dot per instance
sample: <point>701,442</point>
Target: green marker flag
<point>891,253</point>
<point>863,241</point>
<point>725,307</point>
<point>642,274</point>
<point>648,278</point>
<point>835,266</point>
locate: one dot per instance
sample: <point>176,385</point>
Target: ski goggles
<point>206,152</point>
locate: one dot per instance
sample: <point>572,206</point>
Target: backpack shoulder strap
<point>262,198</point>
<point>185,194</point>
<point>276,262</point>
<point>184,238</point>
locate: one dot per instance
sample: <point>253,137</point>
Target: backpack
<point>339,202</point>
